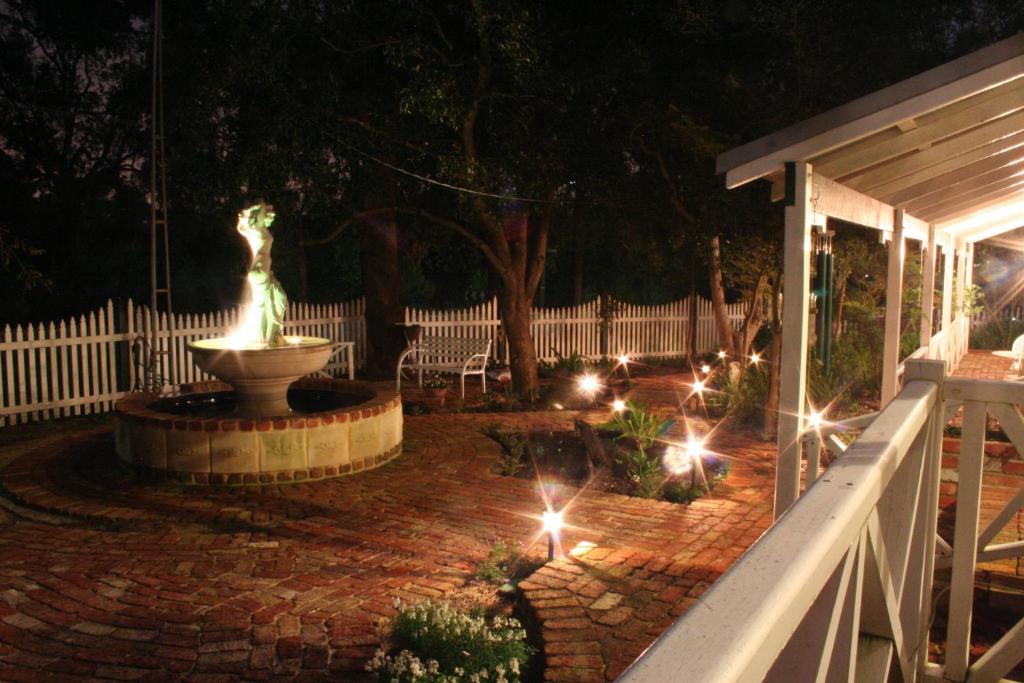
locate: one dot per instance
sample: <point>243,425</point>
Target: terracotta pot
<point>436,396</point>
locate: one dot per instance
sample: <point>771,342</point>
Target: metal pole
<point>150,379</point>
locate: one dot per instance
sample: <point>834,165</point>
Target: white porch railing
<point>840,588</point>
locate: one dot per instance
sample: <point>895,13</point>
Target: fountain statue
<point>257,359</point>
<point>268,299</point>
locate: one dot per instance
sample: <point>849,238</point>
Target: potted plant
<point>435,386</point>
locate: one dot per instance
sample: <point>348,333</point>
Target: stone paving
<point>103,577</point>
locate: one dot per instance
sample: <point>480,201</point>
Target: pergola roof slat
<point>994,180</point>
<point>936,213</point>
<point>952,220</point>
<point>977,72</point>
<point>945,146</point>
<point>976,138</point>
<point>957,118</point>
<point>1002,161</point>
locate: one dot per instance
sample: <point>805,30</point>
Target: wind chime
<point>822,289</point>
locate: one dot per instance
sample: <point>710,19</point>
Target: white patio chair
<point>1018,353</point>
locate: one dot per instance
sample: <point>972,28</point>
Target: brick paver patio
<point>106,578</point>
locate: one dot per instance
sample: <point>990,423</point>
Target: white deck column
<point>961,289</point>
<point>949,258</point>
<point>893,304</point>
<point>968,282</point>
<point>793,369</point>
<point>928,288</point>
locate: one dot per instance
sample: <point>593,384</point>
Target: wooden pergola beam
<point>931,128</point>
<point>979,186</point>
<point>953,220</point>
<point>936,213</point>
<point>969,182</point>
<point>1014,157</point>
<point>977,72</point>
<point>978,138</point>
<point>1012,144</point>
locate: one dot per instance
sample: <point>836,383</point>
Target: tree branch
<point>356,218</point>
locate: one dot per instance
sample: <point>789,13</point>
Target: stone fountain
<point>258,360</point>
<point>266,420</point>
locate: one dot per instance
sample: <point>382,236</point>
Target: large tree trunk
<point>515,319</point>
<point>301,258</point>
<point>725,331</point>
<point>577,267</point>
<point>692,316</point>
<point>382,284</point>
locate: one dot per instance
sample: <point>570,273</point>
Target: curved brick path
<point>105,578</point>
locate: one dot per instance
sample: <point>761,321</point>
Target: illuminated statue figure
<point>268,300</point>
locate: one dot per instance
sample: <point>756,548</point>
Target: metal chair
<point>1018,353</point>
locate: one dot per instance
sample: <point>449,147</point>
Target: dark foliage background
<point>612,110</point>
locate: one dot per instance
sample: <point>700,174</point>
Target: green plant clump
<point>573,364</point>
<point>643,428</point>
<point>681,492</point>
<point>742,396</point>
<point>503,564</point>
<point>643,472</point>
<point>638,424</point>
<point>436,381</point>
<point>435,643</point>
<point>997,334</point>
<point>513,449</point>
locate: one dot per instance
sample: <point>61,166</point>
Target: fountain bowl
<point>261,374</point>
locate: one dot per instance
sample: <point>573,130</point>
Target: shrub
<point>742,395</point>
<point>643,472</point>
<point>503,564</point>
<point>513,449</point>
<point>436,381</point>
<point>681,492</point>
<point>573,364</point>
<point>637,423</point>
<point>435,643</point>
<point>997,334</point>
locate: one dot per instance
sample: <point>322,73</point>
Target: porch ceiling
<point>947,145</point>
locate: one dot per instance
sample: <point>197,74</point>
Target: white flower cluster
<point>434,617</point>
<point>405,667</point>
<point>434,622</point>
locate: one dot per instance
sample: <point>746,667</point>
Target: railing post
<point>965,539</point>
<point>921,565</point>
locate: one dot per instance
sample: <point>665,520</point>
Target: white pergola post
<point>968,282</point>
<point>928,288</point>
<point>796,298</point>
<point>949,254</point>
<point>893,304</point>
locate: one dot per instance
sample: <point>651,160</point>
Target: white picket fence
<point>657,331</point>
<point>81,366</point>
<point>1013,312</point>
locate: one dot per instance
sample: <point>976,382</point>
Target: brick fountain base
<point>236,450</point>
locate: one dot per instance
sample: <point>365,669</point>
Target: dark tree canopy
<point>608,114</point>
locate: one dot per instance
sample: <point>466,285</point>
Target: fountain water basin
<point>336,427</point>
<point>261,374</point>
